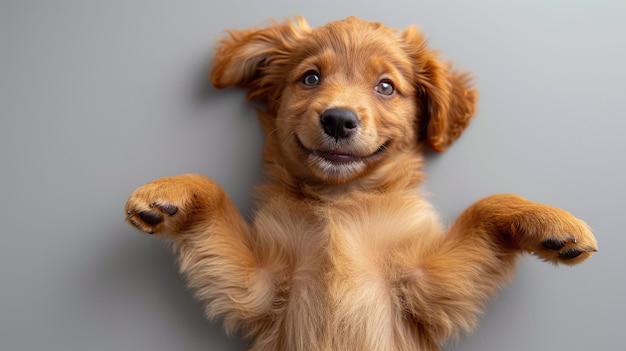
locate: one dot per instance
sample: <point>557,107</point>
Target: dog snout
<point>339,123</point>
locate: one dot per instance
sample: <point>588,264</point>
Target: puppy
<point>343,253</point>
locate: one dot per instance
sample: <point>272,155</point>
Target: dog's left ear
<point>254,59</point>
<point>450,97</point>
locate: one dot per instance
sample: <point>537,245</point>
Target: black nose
<point>339,122</point>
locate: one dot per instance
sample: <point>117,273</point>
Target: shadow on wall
<point>138,280</point>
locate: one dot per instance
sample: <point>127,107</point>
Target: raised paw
<point>554,235</point>
<point>168,205</point>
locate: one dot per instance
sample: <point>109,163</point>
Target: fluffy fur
<point>343,253</point>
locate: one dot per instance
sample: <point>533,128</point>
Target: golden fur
<point>343,253</point>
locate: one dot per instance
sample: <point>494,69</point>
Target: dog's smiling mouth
<point>339,157</point>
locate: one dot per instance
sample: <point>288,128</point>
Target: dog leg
<point>211,240</point>
<point>515,223</point>
<point>461,271</point>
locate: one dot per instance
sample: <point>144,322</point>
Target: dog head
<point>346,98</point>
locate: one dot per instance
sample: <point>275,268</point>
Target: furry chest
<point>339,293</point>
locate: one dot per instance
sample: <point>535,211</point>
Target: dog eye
<point>385,87</point>
<point>311,79</point>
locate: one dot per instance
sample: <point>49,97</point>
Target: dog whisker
<point>269,134</point>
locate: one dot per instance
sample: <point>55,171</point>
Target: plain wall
<point>97,98</point>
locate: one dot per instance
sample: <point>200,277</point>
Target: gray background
<point>97,98</point>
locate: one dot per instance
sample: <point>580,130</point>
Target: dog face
<point>347,102</point>
<point>347,98</point>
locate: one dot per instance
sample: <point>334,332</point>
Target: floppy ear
<point>450,97</point>
<point>254,59</point>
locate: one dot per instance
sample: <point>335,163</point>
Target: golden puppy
<point>343,253</point>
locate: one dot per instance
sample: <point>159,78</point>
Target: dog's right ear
<point>254,59</point>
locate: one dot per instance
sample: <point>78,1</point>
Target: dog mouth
<point>339,157</point>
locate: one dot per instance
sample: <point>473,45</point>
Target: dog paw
<point>566,250</point>
<point>555,236</point>
<point>148,220</point>
<point>167,204</point>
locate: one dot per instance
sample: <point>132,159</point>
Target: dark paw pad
<point>168,209</point>
<point>553,244</point>
<point>151,217</point>
<point>565,249</point>
<point>570,253</point>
